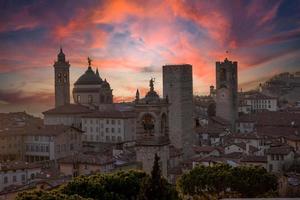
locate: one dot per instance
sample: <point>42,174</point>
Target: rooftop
<point>68,109</point>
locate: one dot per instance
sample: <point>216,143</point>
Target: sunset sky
<point>130,40</point>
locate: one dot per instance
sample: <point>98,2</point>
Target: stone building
<point>178,89</point>
<point>62,80</point>
<point>51,142</point>
<point>152,130</point>
<point>227,91</point>
<point>91,90</point>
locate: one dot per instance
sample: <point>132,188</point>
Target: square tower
<point>178,89</point>
<point>62,80</point>
<point>227,91</point>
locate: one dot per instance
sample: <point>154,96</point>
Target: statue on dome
<point>152,84</point>
<point>89,61</point>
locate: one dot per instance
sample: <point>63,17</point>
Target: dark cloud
<point>19,97</point>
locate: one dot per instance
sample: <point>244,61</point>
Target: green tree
<point>253,181</point>
<point>220,181</point>
<point>117,186</point>
<point>156,187</point>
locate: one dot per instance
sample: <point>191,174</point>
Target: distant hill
<point>285,86</point>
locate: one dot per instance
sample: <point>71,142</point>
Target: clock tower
<point>227,91</point>
<point>62,80</point>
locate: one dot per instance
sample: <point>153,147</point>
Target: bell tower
<point>62,80</point>
<point>227,91</point>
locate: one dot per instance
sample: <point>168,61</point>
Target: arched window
<point>148,123</point>
<point>65,78</point>
<point>59,77</point>
<point>78,98</point>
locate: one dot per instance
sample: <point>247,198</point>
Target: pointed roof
<point>61,55</point>
<point>97,74</point>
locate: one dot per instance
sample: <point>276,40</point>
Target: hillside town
<point>92,134</point>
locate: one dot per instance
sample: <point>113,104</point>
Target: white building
<point>110,126</point>
<point>280,158</point>
<point>260,102</point>
<point>17,173</point>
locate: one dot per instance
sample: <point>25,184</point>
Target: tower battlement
<point>226,90</point>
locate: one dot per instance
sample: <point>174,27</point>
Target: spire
<point>137,95</point>
<point>61,56</point>
<point>97,72</point>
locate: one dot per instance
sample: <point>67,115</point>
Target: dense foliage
<point>213,182</point>
<point>122,185</point>
<point>224,181</point>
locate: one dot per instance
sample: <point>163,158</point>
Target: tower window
<point>59,77</point>
<point>78,98</point>
<point>65,78</point>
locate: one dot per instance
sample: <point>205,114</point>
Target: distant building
<point>178,88</point>
<point>226,91</point>
<point>284,86</point>
<point>258,102</point>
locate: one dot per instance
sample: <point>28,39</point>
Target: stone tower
<point>226,91</point>
<point>178,89</point>
<point>62,80</point>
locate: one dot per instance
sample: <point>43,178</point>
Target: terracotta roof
<point>272,118</point>
<point>210,159</point>
<point>258,95</point>
<point>19,165</point>
<point>245,136</point>
<point>278,131</point>
<point>282,150</point>
<point>241,145</point>
<point>233,155</point>
<point>206,149</point>
<point>68,109</point>
<point>16,120</point>
<point>92,159</point>
<point>253,158</point>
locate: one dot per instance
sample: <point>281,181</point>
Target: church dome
<point>88,78</point>
<point>151,96</point>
